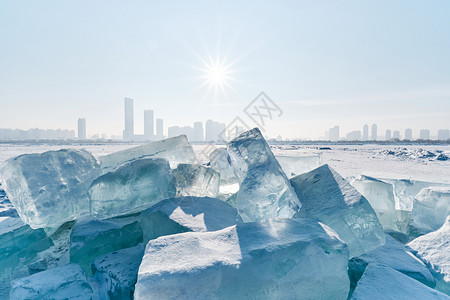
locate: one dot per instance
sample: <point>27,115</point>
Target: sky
<point>323,63</point>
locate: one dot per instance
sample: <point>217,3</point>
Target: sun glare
<point>217,75</point>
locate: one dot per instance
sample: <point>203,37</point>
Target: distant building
<point>388,135</point>
<point>424,134</point>
<point>365,136</point>
<point>396,135</point>
<point>148,125</point>
<point>213,131</point>
<point>443,134</point>
<point>128,133</point>
<point>81,129</point>
<point>159,129</point>
<point>408,134</point>
<point>354,135</point>
<point>199,135</point>
<point>374,132</point>
<point>334,134</point>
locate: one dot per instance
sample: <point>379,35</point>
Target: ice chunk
<point>434,248</point>
<point>329,198</point>
<point>296,165</point>
<point>91,238</point>
<point>131,188</point>
<point>184,214</point>
<point>220,161</point>
<point>176,150</point>
<point>49,189</point>
<point>381,282</point>
<point>265,191</point>
<point>431,207</point>
<point>196,180</point>
<point>273,259</point>
<point>116,272</point>
<point>67,282</point>
<point>396,256</point>
<point>381,197</point>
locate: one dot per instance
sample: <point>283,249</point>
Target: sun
<point>217,75</point>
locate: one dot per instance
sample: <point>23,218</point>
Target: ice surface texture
<point>219,160</point>
<point>116,272</point>
<point>49,189</point>
<point>196,180</point>
<point>430,209</point>
<point>330,199</point>
<point>274,259</point>
<point>184,214</point>
<point>130,188</point>
<point>91,238</point>
<point>265,191</point>
<point>296,165</point>
<point>68,282</point>
<point>381,282</point>
<point>396,256</point>
<point>176,150</point>
<point>434,249</point>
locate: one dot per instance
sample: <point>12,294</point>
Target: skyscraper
<point>148,125</point>
<point>408,134</point>
<point>443,134</point>
<point>396,135</point>
<point>388,135</point>
<point>365,136</point>
<point>198,132</point>
<point>213,130</point>
<point>128,133</point>
<point>81,129</point>
<point>334,134</point>
<point>374,132</point>
<point>159,129</point>
<point>424,134</point>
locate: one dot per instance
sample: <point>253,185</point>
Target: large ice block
<point>296,165</point>
<point>273,259</point>
<point>430,209</point>
<point>434,248</point>
<point>381,282</point>
<point>220,161</point>
<point>131,188</point>
<point>265,191</point>
<point>116,272</point>
<point>67,282</point>
<point>176,150</point>
<point>381,197</point>
<point>184,214</point>
<point>49,189</point>
<point>329,198</point>
<point>91,238</point>
<point>196,180</point>
<point>396,256</point>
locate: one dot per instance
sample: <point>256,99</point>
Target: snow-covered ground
<point>416,162</point>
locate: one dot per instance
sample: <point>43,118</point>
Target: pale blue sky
<point>324,63</point>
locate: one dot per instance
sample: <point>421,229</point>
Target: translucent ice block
<point>296,165</point>
<point>196,180</point>
<point>430,209</point>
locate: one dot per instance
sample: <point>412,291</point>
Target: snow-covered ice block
<point>396,256</point>
<point>196,180</point>
<point>430,209</point>
<point>116,272</point>
<point>176,150</point>
<point>91,238</point>
<point>381,282</point>
<point>185,214</point>
<point>67,282</point>
<point>273,259</point>
<point>219,160</point>
<point>49,189</point>
<point>265,191</point>
<point>434,249</point>
<point>330,199</point>
<point>131,188</point>
<point>381,197</point>
<point>296,165</point>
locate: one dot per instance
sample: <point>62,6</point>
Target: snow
<point>196,180</point>
<point>132,187</point>
<point>329,198</point>
<point>274,259</point>
<point>265,191</point>
<point>49,189</point>
<point>381,282</point>
<point>184,214</point>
